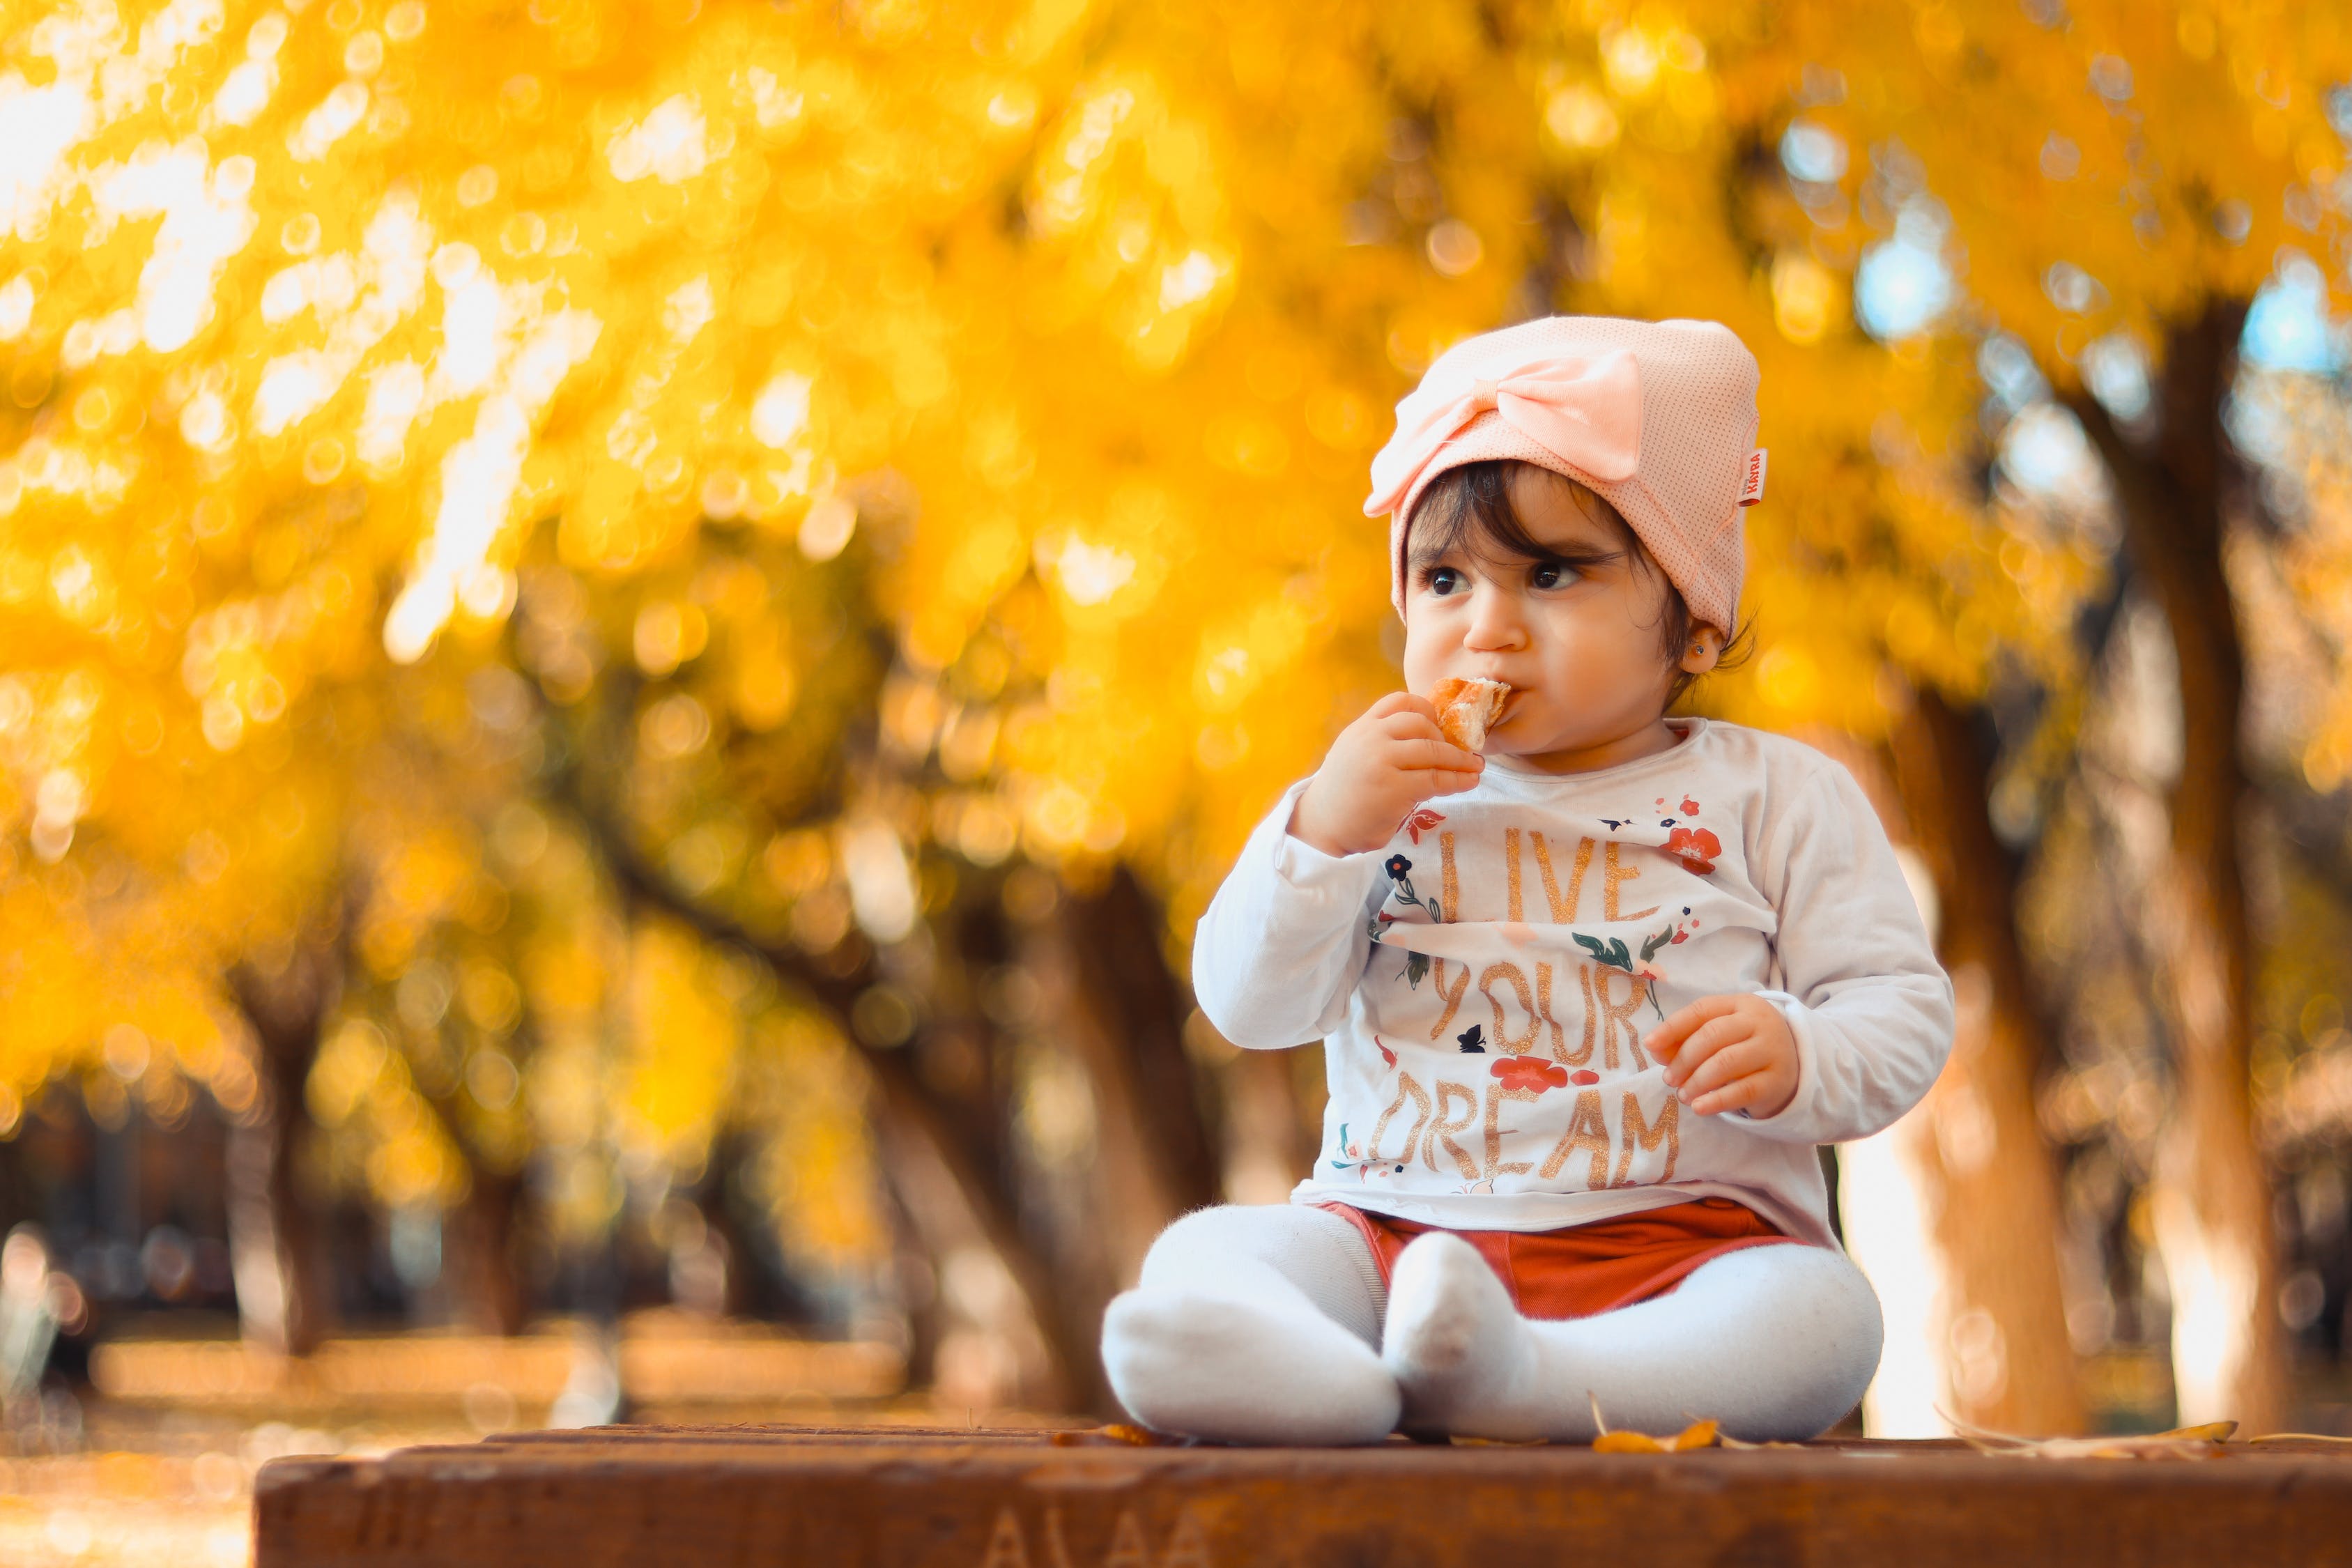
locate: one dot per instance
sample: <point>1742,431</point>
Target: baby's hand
<point>1380,767</point>
<point>1728,1053</point>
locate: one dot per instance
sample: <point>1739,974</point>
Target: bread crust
<point>1466,707</point>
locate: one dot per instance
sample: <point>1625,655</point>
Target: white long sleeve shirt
<point>1482,985</point>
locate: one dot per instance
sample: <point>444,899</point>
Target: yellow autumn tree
<point>2122,180</point>
<point>896,443</point>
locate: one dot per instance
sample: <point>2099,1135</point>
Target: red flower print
<point>1584,1075</point>
<point>1696,849</point>
<point>1418,821</point>
<point>1690,806</point>
<point>1386,1055</point>
<point>1530,1073</point>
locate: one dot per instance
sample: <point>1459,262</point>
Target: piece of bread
<point>1465,709</point>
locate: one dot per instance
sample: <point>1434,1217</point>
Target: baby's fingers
<point>1400,703</point>
<point>1737,1095</point>
<point>1670,1037</point>
<point>1725,1059</point>
<point>1443,755</point>
<point>1704,1045</point>
<point>1402,726</point>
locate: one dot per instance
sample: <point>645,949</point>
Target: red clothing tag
<point>1753,490</point>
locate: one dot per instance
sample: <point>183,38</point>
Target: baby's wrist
<point>1312,824</point>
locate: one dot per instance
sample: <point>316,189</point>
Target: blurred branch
<point>286,996</point>
<point>2313,824</point>
<point>906,1103</point>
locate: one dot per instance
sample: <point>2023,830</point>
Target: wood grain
<point>687,1496</point>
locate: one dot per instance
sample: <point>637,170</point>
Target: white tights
<point>1269,1324</point>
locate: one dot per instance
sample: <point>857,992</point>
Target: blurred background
<point>632,634</point>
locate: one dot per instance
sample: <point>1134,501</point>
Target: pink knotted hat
<point>1658,418</point>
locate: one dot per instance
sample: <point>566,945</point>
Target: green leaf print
<point>1613,953</point>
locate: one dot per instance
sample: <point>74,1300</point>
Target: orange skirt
<point>1589,1268</point>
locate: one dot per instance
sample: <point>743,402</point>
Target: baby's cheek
<point>1426,650</point>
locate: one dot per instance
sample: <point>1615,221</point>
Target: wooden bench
<point>684,1497</point>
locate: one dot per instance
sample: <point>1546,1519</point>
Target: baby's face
<point>1576,634</point>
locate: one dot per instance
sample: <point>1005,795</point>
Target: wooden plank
<point>688,1497</point>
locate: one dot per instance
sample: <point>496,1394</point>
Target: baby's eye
<point>1444,580</point>
<point>1552,574</point>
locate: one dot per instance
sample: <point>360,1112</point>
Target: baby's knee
<point>1812,1332</point>
<point>1206,1241</point>
<point>1210,1239</point>
<point>1841,1319</point>
<point>1849,1309</point>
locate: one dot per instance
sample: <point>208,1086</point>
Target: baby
<point>1588,1000</point>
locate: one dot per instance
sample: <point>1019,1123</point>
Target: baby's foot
<point>1459,1351</point>
<point>1209,1366</point>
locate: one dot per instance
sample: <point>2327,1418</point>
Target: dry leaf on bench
<point>2180,1443</point>
<point>1121,1435</point>
<point>1697,1434</point>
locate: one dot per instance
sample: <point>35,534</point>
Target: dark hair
<point>1474,502</point>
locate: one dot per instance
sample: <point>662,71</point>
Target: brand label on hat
<point>1753,490</point>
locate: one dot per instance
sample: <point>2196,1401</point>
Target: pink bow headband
<point>1586,411</point>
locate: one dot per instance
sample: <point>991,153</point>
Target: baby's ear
<point>1700,653</point>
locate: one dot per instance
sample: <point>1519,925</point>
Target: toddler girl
<point>1588,1001</point>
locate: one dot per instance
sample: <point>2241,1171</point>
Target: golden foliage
<point>357,352</point>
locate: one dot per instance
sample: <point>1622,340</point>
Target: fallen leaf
<point>2180,1443</point>
<point>1697,1434</point>
<point>1120,1433</point>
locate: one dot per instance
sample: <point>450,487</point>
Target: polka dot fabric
<point>1697,425</point>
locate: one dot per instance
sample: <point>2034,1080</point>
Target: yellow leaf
<point>1697,1434</point>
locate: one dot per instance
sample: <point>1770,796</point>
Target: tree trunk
<point>1268,1143</point>
<point>1119,1012</point>
<point>1953,1211</point>
<point>1980,1149</point>
<point>2210,1192</point>
<point>940,1166</point>
<point>1123,1013</point>
<point>481,1235</point>
<point>275,1250</point>
<point>981,1263</point>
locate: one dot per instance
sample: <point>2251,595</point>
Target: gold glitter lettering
<point>1504,1041</point>
<point>1495,1094</point>
<point>1666,1129</point>
<point>1406,1090</point>
<point>1559,1051</point>
<point>1587,1130</point>
<point>1562,910</point>
<point>1511,874</point>
<point>1452,999</point>
<point>1614,1014</point>
<point>1613,876</point>
<point>1442,1130</point>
